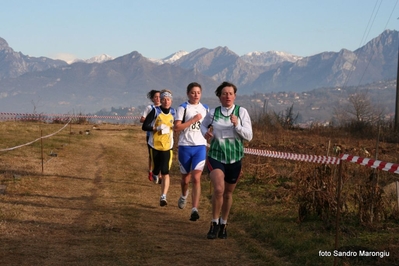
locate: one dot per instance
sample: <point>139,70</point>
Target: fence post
<point>41,146</point>
<point>397,194</point>
<point>338,208</point>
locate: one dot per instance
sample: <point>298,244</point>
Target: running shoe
<point>155,179</point>
<point>213,231</point>
<point>194,216</point>
<point>222,231</point>
<point>150,176</point>
<point>162,201</point>
<point>182,202</point>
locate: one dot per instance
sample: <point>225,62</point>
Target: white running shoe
<point>182,202</point>
<point>162,201</point>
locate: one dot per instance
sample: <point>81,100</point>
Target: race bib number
<point>227,134</point>
<point>195,126</point>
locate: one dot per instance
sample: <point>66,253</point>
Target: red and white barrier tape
<point>293,156</point>
<point>384,166</point>
<point>390,167</point>
<point>46,117</point>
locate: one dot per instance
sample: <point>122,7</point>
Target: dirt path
<point>95,206</point>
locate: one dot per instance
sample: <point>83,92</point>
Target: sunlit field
<point>75,189</point>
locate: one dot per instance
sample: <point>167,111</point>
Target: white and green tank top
<point>226,145</point>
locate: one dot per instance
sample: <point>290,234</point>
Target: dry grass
<point>93,203</point>
<point>294,204</point>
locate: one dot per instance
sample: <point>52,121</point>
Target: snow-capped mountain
<point>95,59</point>
<point>173,57</point>
<point>125,80</point>
<point>169,59</point>
<point>269,58</point>
<point>99,58</point>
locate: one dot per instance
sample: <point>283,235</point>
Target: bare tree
<point>287,119</point>
<point>358,109</point>
<point>36,105</point>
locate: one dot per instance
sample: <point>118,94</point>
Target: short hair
<point>192,85</point>
<point>152,93</point>
<point>219,89</point>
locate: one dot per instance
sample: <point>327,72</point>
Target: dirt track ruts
<point>95,206</point>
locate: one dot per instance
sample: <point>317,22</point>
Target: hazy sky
<point>82,29</point>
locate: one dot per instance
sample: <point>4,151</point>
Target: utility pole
<point>396,128</point>
<point>397,99</point>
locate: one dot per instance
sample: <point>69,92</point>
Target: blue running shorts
<point>191,158</point>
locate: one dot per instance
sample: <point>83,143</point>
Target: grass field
<point>92,203</point>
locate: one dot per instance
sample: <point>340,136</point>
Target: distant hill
<point>48,85</point>
<point>376,61</point>
<point>13,64</point>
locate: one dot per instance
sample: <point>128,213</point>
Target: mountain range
<point>42,84</point>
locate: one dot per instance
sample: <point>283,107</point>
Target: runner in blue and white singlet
<point>192,146</point>
<point>155,97</point>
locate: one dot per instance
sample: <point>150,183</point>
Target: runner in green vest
<point>226,126</point>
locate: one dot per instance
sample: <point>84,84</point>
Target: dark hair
<point>219,89</point>
<point>192,85</point>
<point>152,93</point>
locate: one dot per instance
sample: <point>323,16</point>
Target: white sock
<point>185,196</point>
<point>194,210</point>
<point>216,221</point>
<point>223,221</point>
